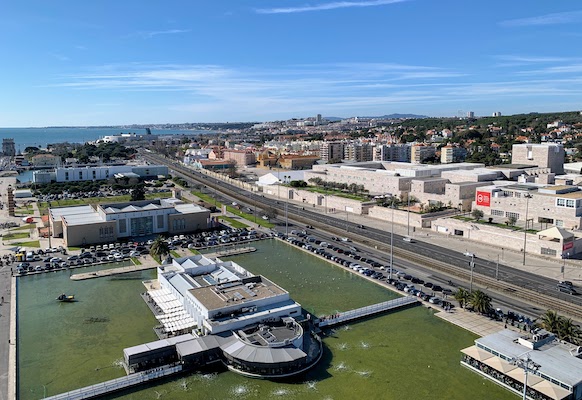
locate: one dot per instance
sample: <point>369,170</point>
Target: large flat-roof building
<point>98,173</point>
<point>106,223</point>
<point>212,310</point>
<point>554,367</point>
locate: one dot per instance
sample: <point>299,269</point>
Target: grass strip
<point>33,243</point>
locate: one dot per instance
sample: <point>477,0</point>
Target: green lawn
<point>249,217</point>
<point>338,193</point>
<point>135,261</point>
<point>194,251</point>
<point>233,222</point>
<point>24,211</point>
<point>24,227</point>
<point>33,243</point>
<point>174,254</point>
<point>43,206</point>
<point>16,235</point>
<point>207,198</point>
<point>498,225</point>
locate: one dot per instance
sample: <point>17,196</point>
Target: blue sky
<point>122,62</point>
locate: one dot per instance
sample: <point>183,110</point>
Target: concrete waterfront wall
<point>501,237</point>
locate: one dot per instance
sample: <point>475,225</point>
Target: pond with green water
<point>64,346</point>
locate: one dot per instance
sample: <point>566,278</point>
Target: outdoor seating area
<point>170,312</point>
<point>512,376</point>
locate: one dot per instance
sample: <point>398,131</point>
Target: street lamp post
<point>472,265</point>
<point>407,215</point>
<point>528,366</point>
<point>527,197</point>
<point>391,242</point>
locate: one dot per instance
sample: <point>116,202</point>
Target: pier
<point>112,271</point>
<point>347,316</point>
<point>231,252</point>
<point>114,385</point>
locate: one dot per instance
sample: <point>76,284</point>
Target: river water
<point>64,346</point>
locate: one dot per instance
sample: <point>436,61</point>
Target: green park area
<point>234,210</point>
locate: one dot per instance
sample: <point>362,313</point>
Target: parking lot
<point>28,261</point>
<point>438,294</point>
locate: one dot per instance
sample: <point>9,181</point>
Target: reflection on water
<point>66,346</point>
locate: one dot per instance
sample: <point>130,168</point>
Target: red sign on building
<point>483,199</point>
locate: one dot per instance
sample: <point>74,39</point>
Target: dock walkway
<point>112,271</point>
<point>114,385</point>
<point>347,316</point>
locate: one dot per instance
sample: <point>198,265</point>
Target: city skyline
<point>117,64</point>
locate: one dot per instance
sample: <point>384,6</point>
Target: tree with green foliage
<point>462,296</point>
<point>159,248</point>
<point>138,193</point>
<point>480,301</point>
<point>477,214</point>
<point>511,220</point>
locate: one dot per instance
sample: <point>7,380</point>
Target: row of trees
<point>351,188</point>
<point>564,328</point>
<point>479,300</point>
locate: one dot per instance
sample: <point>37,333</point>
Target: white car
<point>469,254</point>
<point>345,239</point>
<point>134,254</point>
<point>408,239</point>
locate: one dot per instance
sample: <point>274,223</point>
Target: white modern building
<point>106,223</point>
<point>97,173</point>
<point>554,367</point>
<point>222,296</point>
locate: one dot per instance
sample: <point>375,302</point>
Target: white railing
<point>114,385</point>
<point>367,310</point>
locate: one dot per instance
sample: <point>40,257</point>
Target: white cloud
<point>151,34</point>
<point>548,19</point>
<point>327,6</point>
<point>341,88</point>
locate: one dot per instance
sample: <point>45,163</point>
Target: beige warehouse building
<point>105,223</point>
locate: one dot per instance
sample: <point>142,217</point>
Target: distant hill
<point>399,116</point>
<point>391,116</point>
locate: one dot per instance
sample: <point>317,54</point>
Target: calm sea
<point>40,137</point>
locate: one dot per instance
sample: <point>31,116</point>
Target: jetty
<point>231,252</point>
<point>363,312</point>
<point>112,271</point>
<point>114,385</point>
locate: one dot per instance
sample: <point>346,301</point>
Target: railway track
<point>502,287</point>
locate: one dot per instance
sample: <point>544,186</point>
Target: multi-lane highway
<point>510,282</point>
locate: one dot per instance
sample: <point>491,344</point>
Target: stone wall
<point>501,237</point>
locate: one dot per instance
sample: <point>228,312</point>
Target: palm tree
<point>159,248</point>
<point>462,296</point>
<point>568,331</point>
<point>480,301</point>
<point>550,321</point>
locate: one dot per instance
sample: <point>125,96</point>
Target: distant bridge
<point>347,316</point>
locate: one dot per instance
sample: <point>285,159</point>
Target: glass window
<point>570,203</point>
<point>561,202</point>
<point>160,221</point>
<point>122,225</point>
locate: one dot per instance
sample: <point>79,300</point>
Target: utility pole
<point>527,197</point>
<point>391,242</point>
<point>472,265</point>
<point>408,214</point>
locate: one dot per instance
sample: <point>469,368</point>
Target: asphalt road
<point>488,268</point>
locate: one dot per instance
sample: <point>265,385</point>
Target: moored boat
<point>66,298</point>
